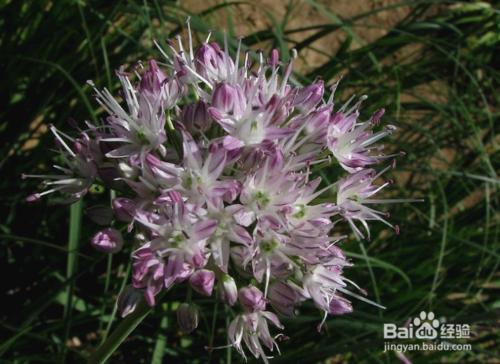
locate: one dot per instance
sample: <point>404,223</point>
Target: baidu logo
<point>427,327</point>
<point>424,326</point>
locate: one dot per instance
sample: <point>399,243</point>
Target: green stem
<point>75,220</point>
<point>123,330</point>
<point>113,314</point>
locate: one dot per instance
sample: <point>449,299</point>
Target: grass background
<point>435,70</point>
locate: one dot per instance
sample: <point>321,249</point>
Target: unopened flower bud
<point>229,291</point>
<point>187,317</point>
<point>195,116</point>
<point>202,281</point>
<point>128,300</point>
<point>340,306</point>
<point>283,298</point>
<point>229,99</point>
<point>152,79</point>
<point>252,298</point>
<point>108,241</point>
<point>212,63</point>
<point>124,209</point>
<point>308,97</point>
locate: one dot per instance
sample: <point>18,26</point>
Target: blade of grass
<point>123,330</point>
<point>161,339</point>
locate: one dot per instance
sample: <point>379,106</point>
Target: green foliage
<point>436,73</point>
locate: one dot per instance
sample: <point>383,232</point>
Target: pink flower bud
<point>340,306</point>
<point>282,298</point>
<point>108,241</point>
<point>173,91</point>
<point>229,99</point>
<point>229,291</point>
<point>212,63</point>
<point>202,281</point>
<point>274,58</point>
<point>35,197</point>
<point>152,79</point>
<point>308,97</point>
<point>252,298</point>
<point>195,116</point>
<point>124,209</point>
<point>128,300</point>
<point>187,317</point>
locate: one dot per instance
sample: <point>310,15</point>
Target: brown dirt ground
<point>262,14</point>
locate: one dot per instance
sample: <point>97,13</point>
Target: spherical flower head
<point>187,317</point>
<point>108,240</point>
<point>252,299</point>
<point>202,281</point>
<point>227,186</point>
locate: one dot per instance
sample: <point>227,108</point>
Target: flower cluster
<point>212,159</point>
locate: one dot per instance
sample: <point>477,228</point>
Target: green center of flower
<point>141,136</point>
<point>262,199</point>
<point>176,240</point>
<point>301,211</point>
<point>269,246</point>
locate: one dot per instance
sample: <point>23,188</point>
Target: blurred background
<point>433,65</point>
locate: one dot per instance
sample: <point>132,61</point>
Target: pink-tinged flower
<point>108,241</point>
<point>244,118</point>
<point>148,273</point>
<point>252,299</point>
<point>187,317</point>
<point>127,301</point>
<point>252,329</point>
<point>306,98</point>
<point>200,178</point>
<point>228,290</point>
<point>351,141</point>
<point>269,191</point>
<point>354,194</point>
<point>140,129</point>
<point>77,174</point>
<point>179,243</point>
<point>321,283</point>
<point>271,254</point>
<point>228,230</point>
<point>213,64</point>
<point>203,281</point>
